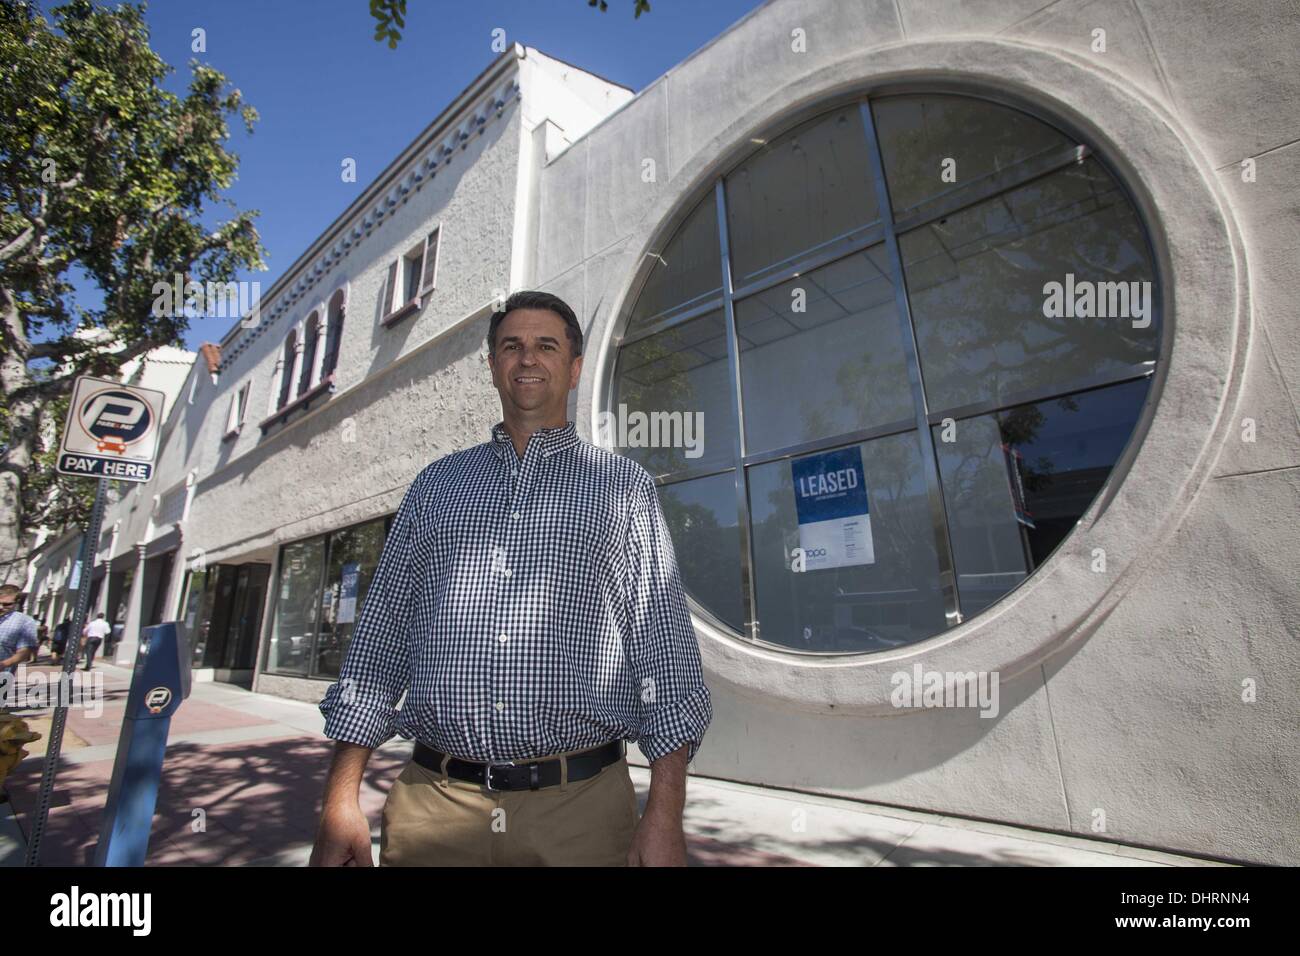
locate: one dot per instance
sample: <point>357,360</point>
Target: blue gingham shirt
<point>17,631</point>
<point>527,607</point>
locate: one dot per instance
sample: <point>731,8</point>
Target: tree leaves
<point>390,20</point>
<point>109,179</point>
<point>390,17</point>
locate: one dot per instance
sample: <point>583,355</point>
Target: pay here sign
<point>112,430</point>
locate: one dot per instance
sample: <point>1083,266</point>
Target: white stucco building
<point>1015,273</point>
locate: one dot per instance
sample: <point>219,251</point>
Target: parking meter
<point>160,681</point>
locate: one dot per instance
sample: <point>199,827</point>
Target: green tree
<point>106,179</point>
<point>390,17</point>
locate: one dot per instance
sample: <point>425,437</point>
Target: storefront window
<point>322,587</point>
<point>353,557</point>
<point>196,612</point>
<point>298,607</point>
<point>946,319</point>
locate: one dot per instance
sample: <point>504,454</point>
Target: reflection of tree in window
<point>705,551</point>
<point>654,377</point>
<point>976,282</point>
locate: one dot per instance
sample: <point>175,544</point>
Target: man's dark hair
<point>525,299</point>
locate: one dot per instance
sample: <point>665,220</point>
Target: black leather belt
<point>521,776</point>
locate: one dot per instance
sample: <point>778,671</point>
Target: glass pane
<point>286,379</point>
<point>199,602</point>
<point>871,575</point>
<point>353,556</point>
<point>919,133</point>
<point>804,189</point>
<point>308,356</point>
<point>981,490</point>
<point>831,338</point>
<point>688,270</point>
<point>701,516</point>
<point>295,611</point>
<point>1038,290</point>
<point>1016,483</point>
<point>1069,446</point>
<point>413,276</point>
<point>672,404</point>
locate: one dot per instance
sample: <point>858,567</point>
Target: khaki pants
<point>431,819</point>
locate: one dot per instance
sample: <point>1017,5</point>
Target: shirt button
<point>502,638</point>
<point>501,705</point>
<point>515,515</point>
<point>507,572</point>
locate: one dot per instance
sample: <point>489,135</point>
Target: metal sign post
<point>112,431</point>
<point>71,652</point>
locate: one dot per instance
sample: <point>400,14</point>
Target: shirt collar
<point>552,440</point>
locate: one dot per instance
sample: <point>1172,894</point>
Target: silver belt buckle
<point>487,774</point>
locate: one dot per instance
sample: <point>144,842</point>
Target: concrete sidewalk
<point>244,774</point>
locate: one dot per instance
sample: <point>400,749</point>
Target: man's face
<point>533,367</point>
<point>8,602</point>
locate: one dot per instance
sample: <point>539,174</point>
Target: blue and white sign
<point>112,430</point>
<point>830,497</point>
<point>348,594</point>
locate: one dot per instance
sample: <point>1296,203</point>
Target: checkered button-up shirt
<point>17,631</point>
<point>527,607</point>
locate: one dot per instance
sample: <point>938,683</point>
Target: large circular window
<point>884,366</point>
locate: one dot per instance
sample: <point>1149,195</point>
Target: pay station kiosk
<point>160,682</point>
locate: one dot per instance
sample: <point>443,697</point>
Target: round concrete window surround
<point>1200,266</point>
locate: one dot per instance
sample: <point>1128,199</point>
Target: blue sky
<point>325,89</point>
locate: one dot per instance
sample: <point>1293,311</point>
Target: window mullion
<point>747,583</point>
<point>930,459</point>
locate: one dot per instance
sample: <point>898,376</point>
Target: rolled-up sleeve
<point>361,707</point>
<point>662,650</point>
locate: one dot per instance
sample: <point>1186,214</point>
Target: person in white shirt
<point>94,633</point>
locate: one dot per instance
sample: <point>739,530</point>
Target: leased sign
<point>112,430</point>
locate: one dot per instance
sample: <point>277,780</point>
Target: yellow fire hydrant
<point>14,733</point>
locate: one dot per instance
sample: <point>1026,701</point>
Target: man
<point>60,641</point>
<point>17,631</point>
<point>94,633</point>
<point>528,601</point>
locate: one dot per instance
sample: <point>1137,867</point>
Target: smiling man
<point>528,603</point>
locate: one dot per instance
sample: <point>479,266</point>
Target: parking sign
<point>112,430</point>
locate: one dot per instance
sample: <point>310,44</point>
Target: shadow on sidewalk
<point>218,804</point>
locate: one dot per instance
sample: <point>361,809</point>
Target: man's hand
<point>658,841</point>
<point>343,838</point>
